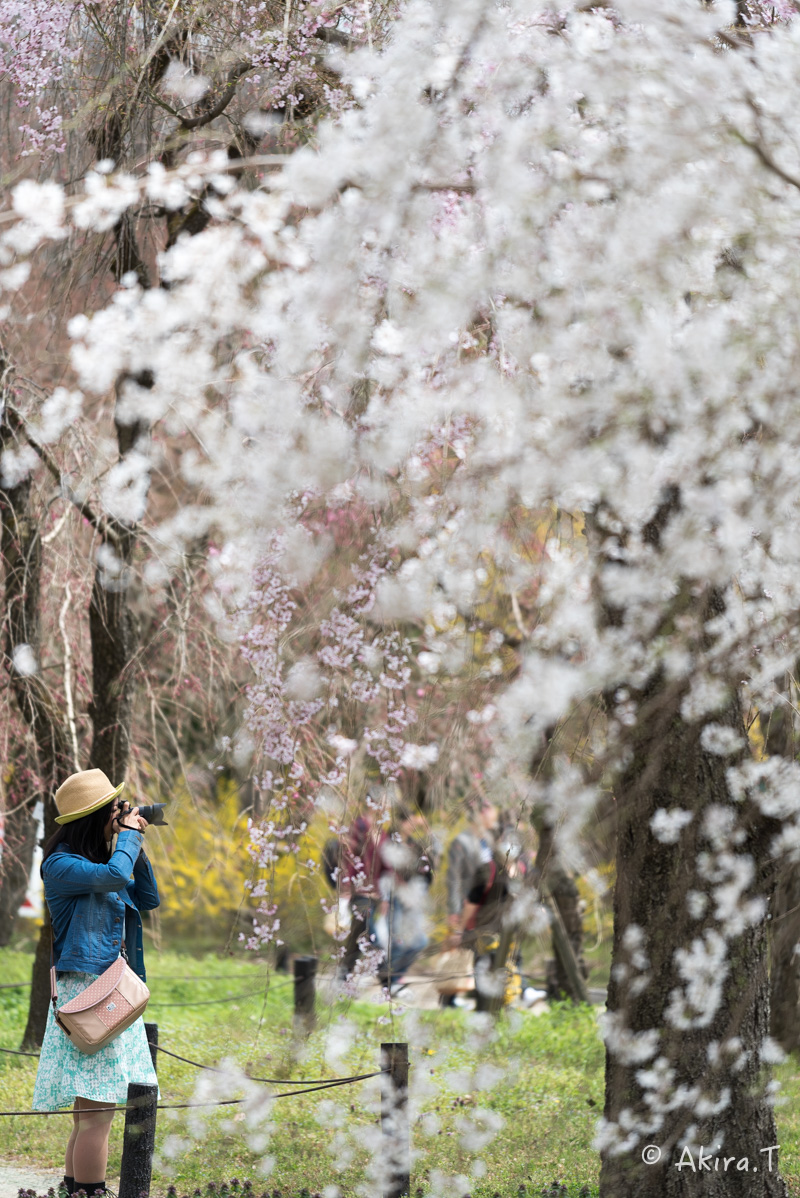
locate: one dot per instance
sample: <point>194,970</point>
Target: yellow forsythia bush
<point>202,864</point>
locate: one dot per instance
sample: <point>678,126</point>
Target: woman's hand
<point>130,821</point>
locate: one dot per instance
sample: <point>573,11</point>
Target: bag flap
<point>98,990</point>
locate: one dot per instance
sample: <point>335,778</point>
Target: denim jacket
<point>90,905</point>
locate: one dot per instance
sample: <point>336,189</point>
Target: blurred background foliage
<point>203,863</point>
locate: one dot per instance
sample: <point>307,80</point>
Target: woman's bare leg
<point>71,1142</point>
<point>90,1147</point>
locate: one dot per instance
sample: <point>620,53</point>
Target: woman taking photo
<point>94,896</point>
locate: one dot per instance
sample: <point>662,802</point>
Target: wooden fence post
<point>139,1141</point>
<point>394,1121</point>
<point>151,1031</point>
<point>305,974</point>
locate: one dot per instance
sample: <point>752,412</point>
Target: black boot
<point>90,1187</point>
<point>68,1184</point>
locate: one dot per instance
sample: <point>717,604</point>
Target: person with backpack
<point>95,893</point>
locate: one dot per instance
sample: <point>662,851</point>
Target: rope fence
<point>190,1106</point>
<point>270,1081</point>
<point>142,1107</point>
<point>312,1083</point>
<point>305,1085</point>
<point>205,1002</point>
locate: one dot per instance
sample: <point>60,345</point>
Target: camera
<point>154,813</point>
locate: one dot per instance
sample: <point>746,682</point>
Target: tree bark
<point>21,548</point>
<point>114,639</point>
<point>785,960</point>
<point>670,769</point>
<point>555,880</point>
<point>19,841</point>
<point>113,628</point>
<point>780,739</point>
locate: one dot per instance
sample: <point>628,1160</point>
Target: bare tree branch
<point>228,92</point>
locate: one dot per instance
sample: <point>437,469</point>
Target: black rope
<point>273,1081</point>
<point>313,1082</point>
<point>196,977</point>
<point>187,1106</point>
<point>204,1002</point>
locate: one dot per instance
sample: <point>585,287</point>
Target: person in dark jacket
<point>95,895</point>
<point>469,853</point>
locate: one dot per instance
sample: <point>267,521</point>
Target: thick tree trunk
<point>21,556</point>
<point>113,627</point>
<point>780,740</point>
<point>785,960</point>
<point>652,922</point>
<point>115,640</point>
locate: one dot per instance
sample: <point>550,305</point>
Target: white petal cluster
<point>667,825</point>
<point>703,968</point>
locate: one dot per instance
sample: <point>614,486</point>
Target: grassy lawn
<point>504,1106</point>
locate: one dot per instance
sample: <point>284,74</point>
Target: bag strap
<point>123,952</point>
<point>53,991</point>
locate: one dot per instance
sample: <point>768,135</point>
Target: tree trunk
<point>114,638</point>
<point>785,960</point>
<point>21,548</point>
<point>19,841</point>
<point>652,922</point>
<point>780,739</point>
<point>22,792</point>
<point>555,880</point>
<point>112,625</point>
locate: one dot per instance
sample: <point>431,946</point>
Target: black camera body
<point>154,813</point>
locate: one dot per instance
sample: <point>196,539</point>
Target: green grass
<point>539,1078</point>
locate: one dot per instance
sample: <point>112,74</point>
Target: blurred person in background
<point>360,865</point>
<point>468,854</point>
<point>408,856</point>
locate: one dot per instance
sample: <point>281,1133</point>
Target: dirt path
<point>19,1177</point>
<point>15,1176</point>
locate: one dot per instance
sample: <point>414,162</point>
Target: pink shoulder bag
<point>105,1008</point>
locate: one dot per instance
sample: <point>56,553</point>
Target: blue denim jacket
<point>91,904</point>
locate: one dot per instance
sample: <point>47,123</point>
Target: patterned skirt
<point>65,1073</point>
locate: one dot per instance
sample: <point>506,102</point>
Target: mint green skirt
<point>65,1073</point>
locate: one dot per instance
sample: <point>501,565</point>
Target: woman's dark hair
<point>85,836</point>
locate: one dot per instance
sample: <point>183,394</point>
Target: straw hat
<point>83,793</point>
